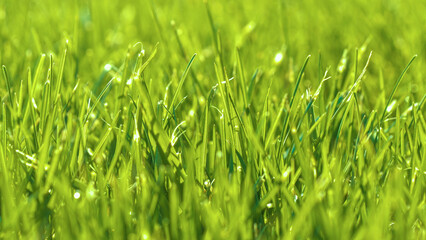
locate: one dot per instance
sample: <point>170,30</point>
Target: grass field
<point>267,119</point>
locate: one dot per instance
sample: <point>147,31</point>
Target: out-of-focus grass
<point>226,119</point>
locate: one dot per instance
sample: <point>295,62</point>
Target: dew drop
<point>107,67</point>
<point>278,57</point>
<point>77,195</point>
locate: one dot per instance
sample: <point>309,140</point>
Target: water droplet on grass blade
<point>34,103</point>
<point>390,107</point>
<point>278,57</point>
<point>136,136</point>
<point>77,195</point>
<point>107,67</point>
<point>90,152</point>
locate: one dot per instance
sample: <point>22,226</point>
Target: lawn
<point>216,119</point>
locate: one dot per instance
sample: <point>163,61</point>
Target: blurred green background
<point>101,31</point>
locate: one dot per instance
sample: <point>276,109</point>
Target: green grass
<point>292,119</point>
